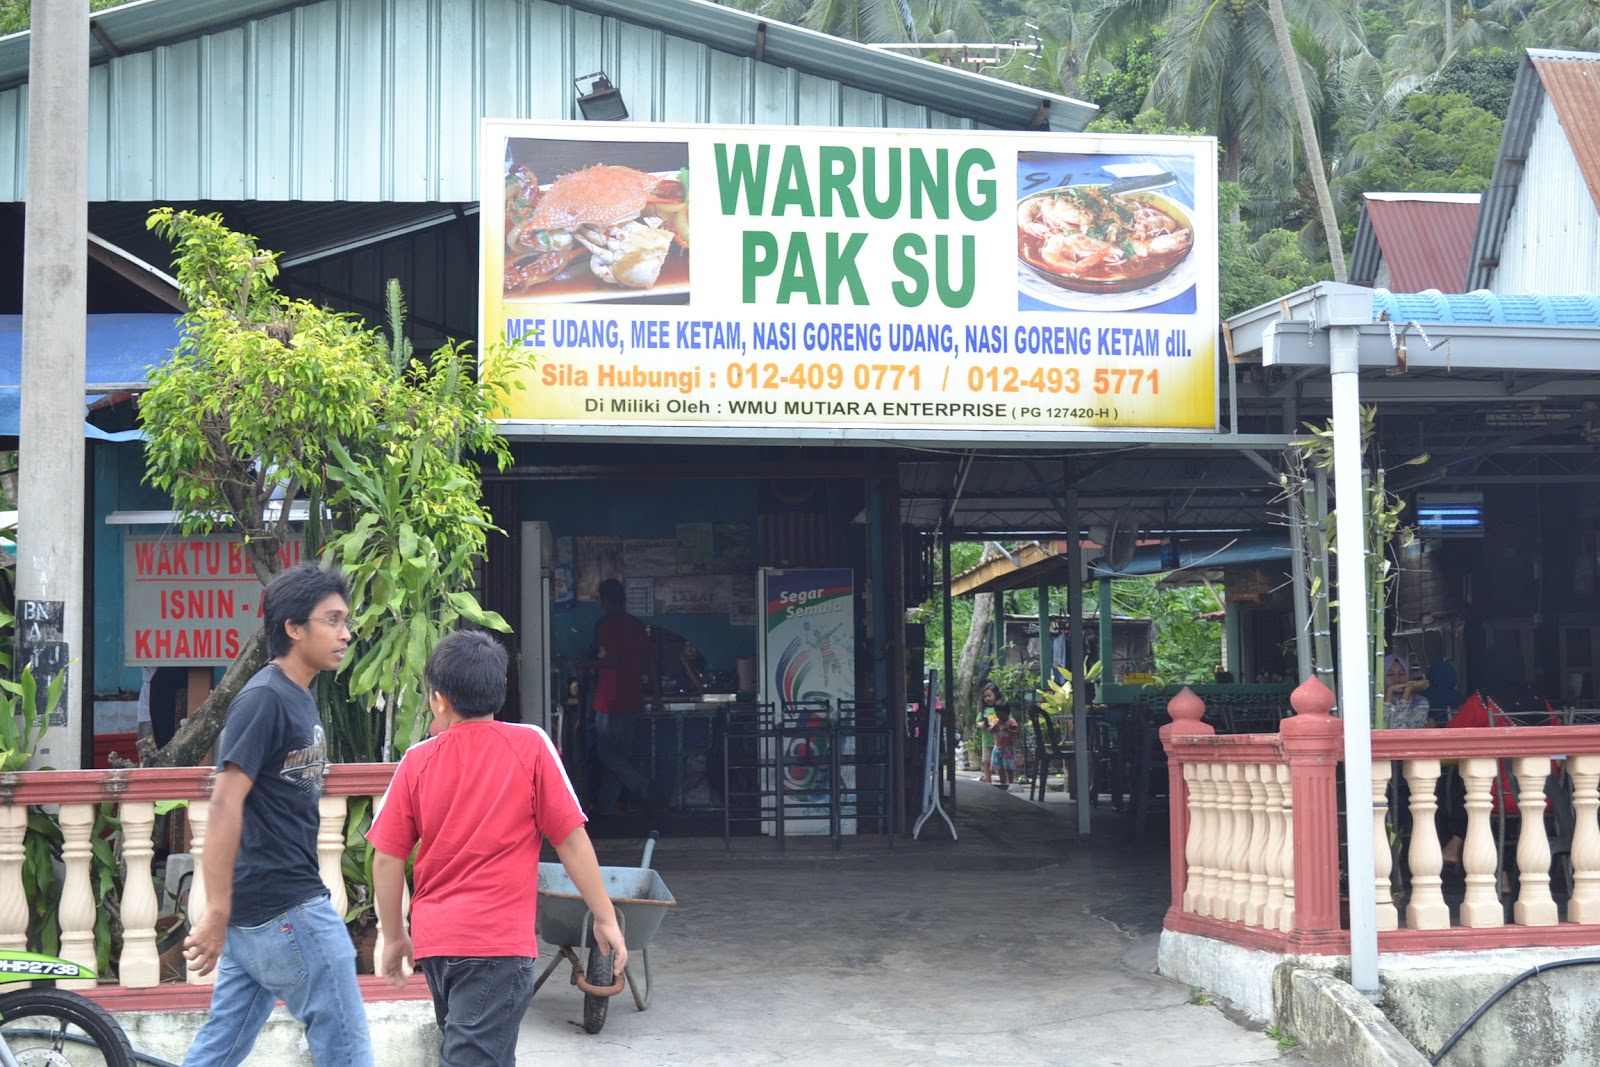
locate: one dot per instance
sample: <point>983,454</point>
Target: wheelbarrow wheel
<point>599,975</point>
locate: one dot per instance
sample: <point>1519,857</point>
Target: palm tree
<point>878,21</point>
<point>1571,24</point>
<point>1308,138</point>
<point>1219,67</point>
<point>1057,62</point>
<point>1437,31</point>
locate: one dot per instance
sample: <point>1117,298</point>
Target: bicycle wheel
<point>59,1028</point>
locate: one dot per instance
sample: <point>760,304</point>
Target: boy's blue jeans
<point>305,958</point>
<point>479,1002</point>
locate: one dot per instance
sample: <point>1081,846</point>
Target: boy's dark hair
<point>468,668</point>
<point>610,592</point>
<point>292,596</point>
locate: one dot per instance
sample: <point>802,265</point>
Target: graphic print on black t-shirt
<point>306,766</point>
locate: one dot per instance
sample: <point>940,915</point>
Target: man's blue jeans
<point>305,958</point>
<point>614,737</point>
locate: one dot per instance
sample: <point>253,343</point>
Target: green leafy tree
<point>1187,645</point>
<point>1485,76</point>
<point>419,521</point>
<point>1436,31</point>
<point>17,15</point>
<point>1436,144</point>
<point>269,401</point>
<point>1214,65</point>
<point>879,21</point>
<point>1571,24</point>
<point>1120,85</point>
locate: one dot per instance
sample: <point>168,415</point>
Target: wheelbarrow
<point>641,901</point>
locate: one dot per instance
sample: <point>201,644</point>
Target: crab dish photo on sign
<point>592,221</point>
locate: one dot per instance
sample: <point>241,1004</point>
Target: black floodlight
<point>600,101</point>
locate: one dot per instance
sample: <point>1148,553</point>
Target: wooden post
<point>1313,743</point>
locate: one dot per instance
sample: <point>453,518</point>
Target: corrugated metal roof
<point>1574,75</point>
<point>1482,306</point>
<point>1423,238</point>
<point>380,100</point>
<point>1572,82</point>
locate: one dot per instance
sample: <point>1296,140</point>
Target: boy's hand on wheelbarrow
<point>396,960</point>
<point>608,938</point>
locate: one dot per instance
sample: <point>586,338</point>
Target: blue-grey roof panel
<point>381,100</point>
<point>1482,306</point>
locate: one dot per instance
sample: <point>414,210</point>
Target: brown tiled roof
<point>1425,240</point>
<point>1572,82</point>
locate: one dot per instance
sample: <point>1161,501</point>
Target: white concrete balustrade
<point>1241,843</point>
<point>74,796</point>
<point>1551,841</point>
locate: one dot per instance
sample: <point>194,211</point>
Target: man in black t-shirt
<point>268,928</point>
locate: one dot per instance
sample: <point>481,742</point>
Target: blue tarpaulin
<point>121,350</point>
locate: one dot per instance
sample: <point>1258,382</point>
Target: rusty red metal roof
<point>1425,238</point>
<point>1572,82</point>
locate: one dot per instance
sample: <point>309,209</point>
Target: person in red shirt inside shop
<point>621,653</point>
<point>480,797</point>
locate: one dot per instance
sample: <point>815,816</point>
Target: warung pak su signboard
<point>770,278</point>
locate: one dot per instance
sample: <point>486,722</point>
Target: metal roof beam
<point>1447,347</point>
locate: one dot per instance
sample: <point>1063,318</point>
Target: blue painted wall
<point>118,486</point>
<point>644,510</point>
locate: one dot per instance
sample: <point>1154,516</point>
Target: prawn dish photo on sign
<point>593,220</point>
<point>1101,232</point>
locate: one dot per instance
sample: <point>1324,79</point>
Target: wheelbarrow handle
<point>603,991</point>
<point>649,849</point>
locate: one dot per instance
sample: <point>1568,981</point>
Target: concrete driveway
<point>1019,944</point>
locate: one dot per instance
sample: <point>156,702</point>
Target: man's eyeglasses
<point>337,622</point>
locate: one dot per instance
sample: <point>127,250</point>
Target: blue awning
<point>121,350</point>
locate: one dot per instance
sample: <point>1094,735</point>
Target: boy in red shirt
<point>480,796</point>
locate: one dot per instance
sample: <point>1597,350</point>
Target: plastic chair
<point>1047,748</point>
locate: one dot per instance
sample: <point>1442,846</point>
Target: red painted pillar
<point>1186,710</point>
<point>1313,742</point>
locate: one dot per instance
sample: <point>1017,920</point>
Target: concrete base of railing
<point>403,1032</point>
<point>1336,1024</point>
<point>1244,976</point>
<point>1548,1019</point>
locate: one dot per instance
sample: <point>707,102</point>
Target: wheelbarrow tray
<point>637,893</point>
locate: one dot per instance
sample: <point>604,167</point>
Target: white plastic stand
<point>931,791</point>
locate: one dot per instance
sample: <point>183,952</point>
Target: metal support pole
<point>1046,658</point>
<point>1322,633</point>
<point>1233,661</point>
<point>1108,635</point>
<point>1355,689</point>
<point>50,497</point>
<point>1080,706</point>
<point>934,719</point>
<point>1302,595</point>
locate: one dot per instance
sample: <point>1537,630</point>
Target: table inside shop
<point>681,750</point>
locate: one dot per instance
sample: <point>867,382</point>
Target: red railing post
<point>1186,710</point>
<point>1313,742</point>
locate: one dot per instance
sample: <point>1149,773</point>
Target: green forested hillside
<point>1402,94</point>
